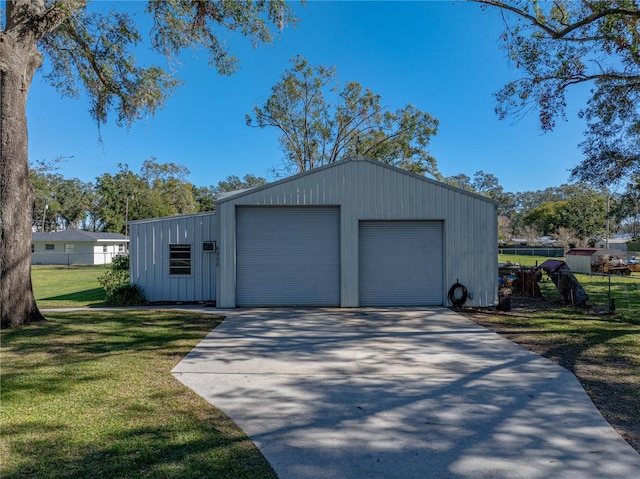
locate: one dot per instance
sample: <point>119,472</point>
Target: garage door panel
<point>287,257</point>
<point>400,263</point>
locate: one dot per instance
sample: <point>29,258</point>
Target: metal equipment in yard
<point>611,265</point>
<point>569,287</point>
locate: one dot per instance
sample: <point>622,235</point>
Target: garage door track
<point>400,393</point>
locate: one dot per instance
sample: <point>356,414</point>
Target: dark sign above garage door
<point>400,263</point>
<point>287,256</point>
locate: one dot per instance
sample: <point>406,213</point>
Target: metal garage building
<point>354,233</point>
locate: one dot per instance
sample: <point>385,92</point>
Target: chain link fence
<point>606,293</point>
<point>549,252</point>
<point>68,259</point>
<point>610,292</point>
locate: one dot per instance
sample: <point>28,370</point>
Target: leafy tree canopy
<point>206,195</point>
<point>563,43</point>
<point>95,52</point>
<point>488,185</point>
<point>582,212</point>
<point>161,189</point>
<point>234,183</point>
<point>315,131</point>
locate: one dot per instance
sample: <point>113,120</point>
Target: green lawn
<point>90,395</point>
<point>62,287</point>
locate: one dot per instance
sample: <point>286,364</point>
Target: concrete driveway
<point>400,393</point>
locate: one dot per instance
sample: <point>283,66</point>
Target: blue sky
<point>443,57</point>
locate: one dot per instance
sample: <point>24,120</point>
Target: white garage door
<point>287,256</point>
<point>401,263</point>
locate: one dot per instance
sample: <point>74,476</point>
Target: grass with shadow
<point>90,394</point>
<point>67,287</point>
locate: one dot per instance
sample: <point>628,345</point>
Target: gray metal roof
<point>227,194</point>
<point>338,164</point>
<point>78,236</point>
<point>172,217</point>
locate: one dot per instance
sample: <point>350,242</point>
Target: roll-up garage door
<point>287,256</point>
<point>401,263</point>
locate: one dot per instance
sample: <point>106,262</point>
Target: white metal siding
<point>401,263</point>
<point>149,257</point>
<point>287,257</point>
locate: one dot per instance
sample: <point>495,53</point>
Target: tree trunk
<point>19,59</point>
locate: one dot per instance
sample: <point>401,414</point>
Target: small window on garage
<point>179,259</point>
<point>49,247</point>
<point>105,249</point>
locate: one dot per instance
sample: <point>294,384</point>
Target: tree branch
<point>32,16</point>
<point>562,34</point>
<point>60,11</point>
<point>92,61</point>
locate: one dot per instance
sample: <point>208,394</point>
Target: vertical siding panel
<point>146,276</point>
<point>193,284</point>
<point>161,248</point>
<point>388,198</point>
<point>149,257</point>
<point>474,237</point>
<point>152,258</point>
<point>356,181</point>
<point>199,232</point>
<point>350,179</point>
<point>158,258</point>
<point>419,201</point>
<point>379,211</point>
<point>200,281</point>
<point>406,197</point>
<point>403,196</point>
<point>192,234</point>
<point>164,254</point>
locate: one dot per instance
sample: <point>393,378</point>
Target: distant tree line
<point>573,214</point>
<point>570,213</point>
<point>158,189</point>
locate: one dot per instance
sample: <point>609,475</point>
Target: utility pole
<point>44,214</point>
<point>606,245</point>
<point>126,215</point>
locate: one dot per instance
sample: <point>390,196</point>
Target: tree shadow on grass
<point>103,403</point>
<point>184,446</point>
<point>93,295</point>
<point>56,351</point>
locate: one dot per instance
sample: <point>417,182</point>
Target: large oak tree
<point>560,44</point>
<point>91,51</point>
<point>321,121</point>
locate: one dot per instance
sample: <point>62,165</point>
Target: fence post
<point>609,295</point>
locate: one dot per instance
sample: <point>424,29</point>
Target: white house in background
<point>354,233</point>
<point>77,247</point>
